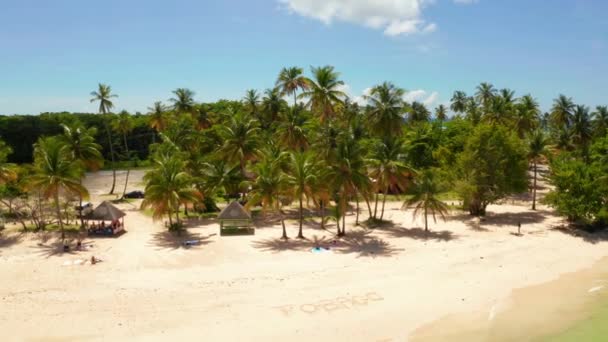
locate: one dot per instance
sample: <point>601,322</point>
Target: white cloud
<point>429,99</point>
<point>394,17</point>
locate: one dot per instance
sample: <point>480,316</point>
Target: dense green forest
<point>304,142</point>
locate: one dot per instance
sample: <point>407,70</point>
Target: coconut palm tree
<point>347,174</point>
<point>251,101</point>
<point>387,169</point>
<point>419,113</point>
<point>80,145</point>
<point>183,102</point>
<point>386,108</point>
<point>157,116</point>
<point>219,176</point>
<point>266,190</point>
<point>527,115</point>
<point>600,121</point>
<point>123,124</point>
<point>507,95</point>
<point>459,102</point>
<point>167,187</point>
<point>291,131</point>
<point>441,113</point>
<point>498,112</point>
<point>290,80</point>
<point>56,172</point>
<point>485,93</point>
<point>325,92</point>
<point>272,104</point>
<point>424,198</point>
<point>302,178</point>
<point>537,147</point>
<point>104,96</point>
<point>241,140</point>
<point>562,111</point>
<point>581,128</point>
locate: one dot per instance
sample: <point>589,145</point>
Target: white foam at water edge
<point>595,289</point>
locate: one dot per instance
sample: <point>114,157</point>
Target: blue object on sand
<point>191,242</point>
<point>318,250</point>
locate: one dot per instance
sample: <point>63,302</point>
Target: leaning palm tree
<point>167,187</point>
<point>537,147</point>
<point>267,189</point>
<point>56,172</point>
<point>290,80</point>
<point>104,96</point>
<point>386,109</point>
<point>562,111</point>
<point>81,146</point>
<point>183,102</point>
<point>325,92</point>
<point>424,198</point>
<point>302,177</point>
<point>123,124</point>
<point>600,121</point>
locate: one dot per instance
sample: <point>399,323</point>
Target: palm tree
<point>104,96</point>
<point>507,95</point>
<point>123,124</point>
<point>218,175</point>
<point>272,103</point>
<point>157,116</point>
<point>167,187</point>
<point>183,102</point>
<point>498,111</point>
<point>527,115</point>
<point>485,93</point>
<point>81,146</point>
<point>347,175</point>
<point>441,113</point>
<point>386,108</point>
<point>536,149</point>
<point>424,198</point>
<point>290,80</point>
<point>302,178</point>
<point>600,121</point>
<point>419,113</point>
<point>561,112</point>
<point>56,172</point>
<point>324,93</point>
<point>387,169</point>
<point>251,101</point>
<point>291,130</point>
<point>459,102</point>
<point>7,171</point>
<point>267,189</point>
<point>241,140</point>
<point>581,128</point>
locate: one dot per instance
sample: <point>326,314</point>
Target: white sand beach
<point>373,285</point>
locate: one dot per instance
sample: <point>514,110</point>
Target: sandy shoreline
<point>377,285</point>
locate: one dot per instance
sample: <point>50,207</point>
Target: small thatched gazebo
<point>106,212</point>
<point>235,217</point>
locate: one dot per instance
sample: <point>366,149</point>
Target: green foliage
<point>492,166</point>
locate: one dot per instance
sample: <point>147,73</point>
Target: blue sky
<point>53,53</point>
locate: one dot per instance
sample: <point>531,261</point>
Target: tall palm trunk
<point>343,221</point>
<point>383,202</point>
<point>124,190</point>
<point>80,211</point>
<point>426,223</point>
<point>357,212</point>
<point>376,206</point>
<point>284,237</point>
<point>322,205</point>
<point>300,235</point>
<point>534,188</point>
<point>369,207</point>
<point>58,211</point>
<point>111,154</point>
